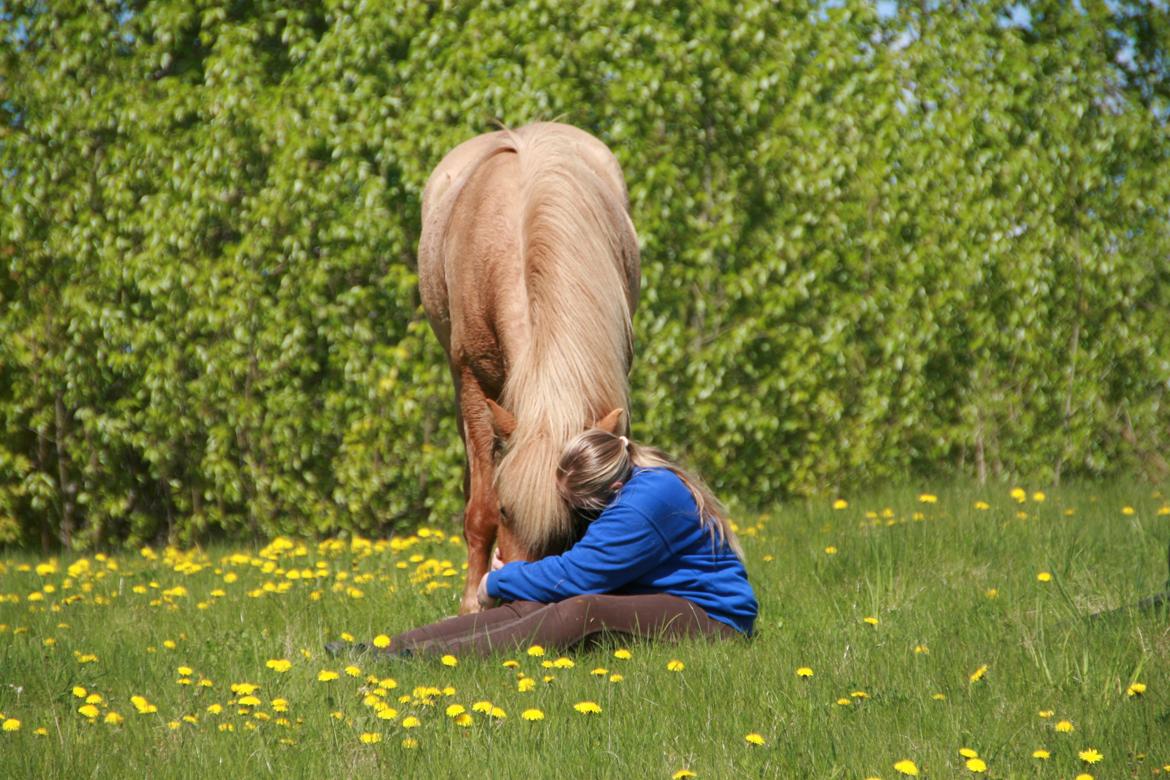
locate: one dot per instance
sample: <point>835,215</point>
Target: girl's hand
<point>497,562</point>
<point>481,595</point>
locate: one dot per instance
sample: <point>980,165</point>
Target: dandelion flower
<point>464,720</point>
<point>600,671</point>
<point>371,737</point>
<point>449,660</point>
<point>89,710</point>
<point>976,765</point>
<point>754,739</point>
<point>563,663</point>
<point>967,752</point>
<point>587,707</point>
<point>80,692</point>
<point>1039,496</point>
<point>616,678</point>
<point>982,506</point>
<point>978,674</point>
<point>525,684</point>
<point>682,773</point>
<point>1127,510</point>
<point>1019,494</point>
<point>921,650</point>
<point>870,620</point>
<point>410,743</point>
<point>387,713</point>
<point>536,651</point>
<point>928,498</point>
<point>1135,689</point>
<point>381,641</point>
<point>1065,727</point>
<point>411,722</point>
<point>325,675</point>
<point>675,665</point>
<point>622,654</point>
<point>113,718</point>
<point>532,714</point>
<point>840,503</point>
<point>455,710</point>
<point>185,671</point>
<point>830,550</point>
<point>938,696</point>
<point>279,664</point>
<point>1041,754</point>
<point>804,671</point>
<point>353,671</point>
<point>1090,756</point>
<point>1044,576</point>
<point>906,767</point>
<point>1046,713</point>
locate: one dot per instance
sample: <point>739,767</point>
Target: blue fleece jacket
<point>648,540</point>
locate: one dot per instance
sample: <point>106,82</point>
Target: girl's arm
<point>619,546</point>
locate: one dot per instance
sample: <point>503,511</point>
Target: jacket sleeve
<point>620,546</point>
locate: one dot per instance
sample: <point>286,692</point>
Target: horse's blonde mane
<point>575,239</point>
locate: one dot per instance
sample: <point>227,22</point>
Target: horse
<point>529,274</point>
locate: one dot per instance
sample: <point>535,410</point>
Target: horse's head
<point>526,458</point>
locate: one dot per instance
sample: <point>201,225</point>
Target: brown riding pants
<point>565,625</point>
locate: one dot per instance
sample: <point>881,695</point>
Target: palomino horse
<point>529,273</point>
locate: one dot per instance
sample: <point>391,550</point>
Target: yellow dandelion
<point>616,678</point>
<point>279,664</point>
<point>921,650</point>
<point>326,675</point>
<point>482,706</point>
<point>1039,496</point>
<point>976,765</point>
<point>1044,576</point>
<point>859,695</point>
<point>991,593</point>
<point>10,724</point>
<point>1127,510</point>
<point>870,620</point>
<point>978,674</point>
<point>511,663</point>
<point>215,709</point>
<point>536,651</point>
<point>1019,494</point>
<point>563,663</point>
<point>587,707</point>
<point>906,767</point>
<point>982,506</point>
<point>381,641</point>
<point>411,722</point>
<point>371,737</point>
<point>830,550</point>
<point>410,743</point>
<point>449,660</point>
<point>89,710</point>
<point>1065,727</point>
<point>967,752</point>
<point>113,718</point>
<point>1090,755</point>
<point>185,671</point>
<point>675,665</point>
<point>1046,713</point>
<point>464,720</point>
<point>455,710</point>
<point>682,773</point>
<point>840,503</point>
<point>804,671</point>
<point>525,684</point>
<point>600,671</point>
<point>844,702</point>
<point>346,636</point>
<point>927,498</point>
<point>1135,689</point>
<point>939,696</point>
<point>755,739</point>
<point>248,701</point>
<point>387,713</point>
<point>1041,754</point>
<point>622,654</point>
<point>353,671</point>
<point>532,714</point>
<point>80,692</point>
<point>1083,776</point>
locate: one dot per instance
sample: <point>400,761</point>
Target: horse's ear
<point>612,422</point>
<point>502,420</point>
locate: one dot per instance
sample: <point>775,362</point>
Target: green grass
<point>926,581</point>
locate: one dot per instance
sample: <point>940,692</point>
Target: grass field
<point>895,634</point>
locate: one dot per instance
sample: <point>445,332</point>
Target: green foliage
<point>872,246</point>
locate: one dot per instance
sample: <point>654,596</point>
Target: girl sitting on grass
<point>658,559</point>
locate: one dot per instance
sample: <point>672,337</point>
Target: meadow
<point>901,633</point>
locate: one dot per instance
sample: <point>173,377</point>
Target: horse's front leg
<point>481,517</point>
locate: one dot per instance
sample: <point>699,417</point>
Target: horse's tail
<point>577,245</point>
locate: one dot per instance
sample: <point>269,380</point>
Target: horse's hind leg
<point>481,517</point>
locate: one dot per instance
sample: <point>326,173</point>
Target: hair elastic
<point>625,442</point>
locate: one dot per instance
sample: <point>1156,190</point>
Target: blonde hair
<point>596,459</point>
